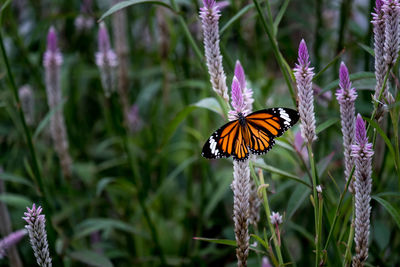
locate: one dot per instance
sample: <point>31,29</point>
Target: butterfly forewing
<point>221,142</point>
<point>256,134</point>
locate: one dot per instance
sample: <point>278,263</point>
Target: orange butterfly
<point>254,132</point>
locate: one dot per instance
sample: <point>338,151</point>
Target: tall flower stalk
<point>52,61</point>
<point>107,61</point>
<point>120,33</point>
<point>304,74</point>
<point>346,97</point>
<point>362,153</point>
<point>241,186</point>
<point>209,15</point>
<point>36,226</point>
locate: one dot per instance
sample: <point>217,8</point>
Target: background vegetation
<point>105,207</point>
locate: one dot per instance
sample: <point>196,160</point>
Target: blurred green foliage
<point>96,215</point>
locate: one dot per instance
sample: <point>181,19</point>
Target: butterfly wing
<point>264,125</point>
<point>222,142</point>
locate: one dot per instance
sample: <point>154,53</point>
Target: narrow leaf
<point>235,18</point>
<point>389,208</point>
<point>326,124</point>
<point>91,258</point>
<point>217,241</point>
<point>47,118</point>
<point>124,4</point>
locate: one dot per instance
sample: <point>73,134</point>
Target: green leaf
<point>353,77</point>
<point>210,103</point>
<point>103,184</point>
<point>368,49</point>
<point>47,118</point>
<point>328,66</point>
<point>218,193</point>
<point>3,7</point>
<point>125,4</point>
<point>388,194</point>
<point>326,124</point>
<point>261,241</point>
<point>173,125</point>
<point>217,241</point>
<point>383,135</point>
<point>389,208</point>
<point>89,226</point>
<point>275,170</point>
<point>296,199</point>
<point>237,16</point>
<point>15,200</point>
<point>91,258</point>
<point>8,177</point>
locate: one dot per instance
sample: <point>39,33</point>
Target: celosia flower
<point>209,15</point>
<point>107,61</point>
<point>38,236</point>
<point>52,61</point>
<point>275,218</point>
<point>304,74</point>
<point>391,16</point>
<point>84,21</point>
<point>10,240</point>
<point>362,153</point>
<point>241,194</point>
<point>346,97</point>
<point>28,103</point>
<point>242,97</point>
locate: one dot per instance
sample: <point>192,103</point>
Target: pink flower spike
<point>361,133</point>
<point>239,74</point>
<point>304,58</point>
<point>237,97</point>
<point>209,3</point>
<point>104,40</point>
<point>378,5</point>
<point>52,40</point>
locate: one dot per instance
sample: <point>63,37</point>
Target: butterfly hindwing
<point>264,125</point>
<point>221,142</point>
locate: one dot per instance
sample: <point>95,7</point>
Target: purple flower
<point>52,61</point>
<point>391,16</point>
<point>241,208</point>
<point>362,153</point>
<point>209,15</point>
<point>52,57</point>
<point>84,22</point>
<point>265,262</point>
<point>242,97</point>
<point>346,97</point>
<point>38,236</point>
<point>11,240</point>
<point>275,218</point>
<point>304,74</point>
<point>107,61</point>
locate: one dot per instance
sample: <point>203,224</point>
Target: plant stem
<point>337,213</point>
<point>347,255</point>
<point>279,58</point>
<point>268,214</point>
<point>316,203</point>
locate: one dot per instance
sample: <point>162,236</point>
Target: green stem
<point>337,212</point>
<point>320,212</point>
<point>347,255</point>
<point>279,58</point>
<point>35,165</point>
<point>271,227</point>
<point>316,203</point>
<point>187,33</point>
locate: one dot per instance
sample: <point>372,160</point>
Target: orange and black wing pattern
<point>222,142</point>
<point>255,134</point>
<point>264,125</point>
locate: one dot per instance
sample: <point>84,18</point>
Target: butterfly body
<point>253,133</point>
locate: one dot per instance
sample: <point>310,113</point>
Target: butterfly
<point>254,132</point>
